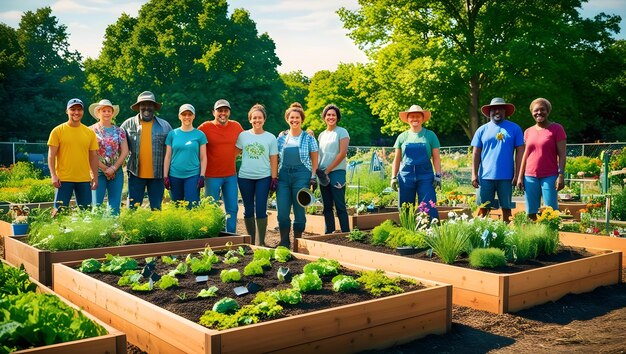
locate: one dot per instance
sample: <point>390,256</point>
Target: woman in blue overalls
<point>297,152</point>
<point>412,170</point>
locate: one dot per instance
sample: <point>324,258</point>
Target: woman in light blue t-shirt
<point>258,173</point>
<point>185,159</point>
<point>333,147</point>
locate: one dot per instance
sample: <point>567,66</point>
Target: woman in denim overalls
<point>412,170</point>
<point>297,152</point>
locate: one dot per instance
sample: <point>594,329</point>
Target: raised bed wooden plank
<point>112,343</point>
<point>426,311</point>
<point>487,291</point>
<point>38,263</point>
<point>595,241</point>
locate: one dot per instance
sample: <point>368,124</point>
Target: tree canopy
<point>453,56</point>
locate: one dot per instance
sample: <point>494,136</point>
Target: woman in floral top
<point>113,149</point>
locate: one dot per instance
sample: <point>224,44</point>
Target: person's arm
<point>93,164</point>
<point>476,160</point>
<point>561,149</point>
<point>167,160</point>
<point>436,160</point>
<point>314,161</point>
<point>343,151</point>
<point>274,165</point>
<point>522,169</point>
<point>52,163</point>
<point>203,159</point>
<point>123,154</point>
<point>395,167</point>
<point>519,153</point>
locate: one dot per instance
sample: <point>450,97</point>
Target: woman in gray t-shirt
<point>333,147</point>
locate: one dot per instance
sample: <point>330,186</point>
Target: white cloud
<point>11,17</point>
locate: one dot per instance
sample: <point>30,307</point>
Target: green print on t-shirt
<point>255,150</point>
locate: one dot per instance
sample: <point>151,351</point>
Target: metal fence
<point>11,152</point>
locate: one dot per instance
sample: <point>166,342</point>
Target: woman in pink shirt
<point>543,163</point>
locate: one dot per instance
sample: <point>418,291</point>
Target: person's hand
<point>560,182</point>
<point>313,184</point>
<point>520,184</point>
<point>94,183</point>
<point>323,176</point>
<point>167,183</point>
<point>56,183</point>
<point>200,183</point>
<point>437,181</point>
<point>475,182</point>
<point>109,172</point>
<point>394,183</point>
<point>274,184</point>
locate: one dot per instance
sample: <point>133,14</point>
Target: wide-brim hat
<point>145,96</point>
<point>509,107</point>
<point>94,107</point>
<point>415,109</point>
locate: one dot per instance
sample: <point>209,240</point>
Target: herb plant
<point>448,241</point>
<point>487,258</point>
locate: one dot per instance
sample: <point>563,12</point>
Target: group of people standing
<point>186,159</point>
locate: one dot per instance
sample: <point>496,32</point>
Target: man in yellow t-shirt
<point>73,158</point>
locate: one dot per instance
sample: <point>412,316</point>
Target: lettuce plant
<point>226,305</point>
<point>282,254</point>
<point>344,283</point>
<point>306,282</point>
<point>323,267</point>
<point>230,275</point>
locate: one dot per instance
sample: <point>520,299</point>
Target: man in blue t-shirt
<point>497,157</point>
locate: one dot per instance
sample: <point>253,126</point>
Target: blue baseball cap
<point>74,102</point>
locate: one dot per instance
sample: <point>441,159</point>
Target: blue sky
<point>308,34</point>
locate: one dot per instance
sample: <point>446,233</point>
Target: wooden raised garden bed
<point>371,324</point>
<point>493,292</point>
<point>595,241</point>
<point>315,223</point>
<point>38,263</point>
<point>112,343</point>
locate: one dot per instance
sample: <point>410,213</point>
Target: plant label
<point>202,278</point>
<point>241,290</point>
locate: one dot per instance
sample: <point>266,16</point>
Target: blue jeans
<point>535,188</point>
<point>63,194</point>
<point>254,193</point>
<point>414,180</point>
<point>185,189</point>
<point>137,187</point>
<point>227,187</point>
<point>290,181</point>
<point>113,188</point>
<point>335,193</point>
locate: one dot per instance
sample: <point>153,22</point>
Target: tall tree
<point>188,51</point>
<point>296,87</point>
<point>48,74</point>
<point>341,88</point>
<point>452,56</point>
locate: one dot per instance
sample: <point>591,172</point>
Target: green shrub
<point>487,258</point>
<point>357,235</point>
<point>399,236</point>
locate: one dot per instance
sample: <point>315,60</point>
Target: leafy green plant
<point>232,260</point>
<point>287,296</point>
<point>35,319</point>
<point>202,265</point>
<point>168,260</point>
<point>487,258</point>
<point>408,212</point>
<point>181,268</point>
<point>344,283</point>
<point>399,236</point>
<point>210,292</point>
<point>583,166</point>
<point>256,267</point>
<point>230,275</point>
<point>377,283</point>
<point>167,281</point>
<point>306,282</point>
<point>323,267</point>
<point>90,265</point>
<point>226,305</point>
<point>448,241</point>
<point>282,254</point>
<point>129,278</point>
<point>145,287</point>
<point>263,253</point>
<point>546,240</point>
<point>381,232</point>
<point>14,281</point>
<point>117,264</point>
<point>357,235</point>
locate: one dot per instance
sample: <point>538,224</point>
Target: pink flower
<point>432,204</point>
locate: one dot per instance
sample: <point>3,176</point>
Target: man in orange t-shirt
<point>221,152</point>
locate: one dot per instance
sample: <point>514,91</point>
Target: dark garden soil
<point>192,307</point>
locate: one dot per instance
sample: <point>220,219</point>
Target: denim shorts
<point>487,192</point>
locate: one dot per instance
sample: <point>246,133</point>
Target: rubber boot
<point>250,229</point>
<point>284,237</point>
<point>261,226</point>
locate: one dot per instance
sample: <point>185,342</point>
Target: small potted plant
<point>19,219</point>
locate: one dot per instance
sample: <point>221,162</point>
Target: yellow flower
<point>204,229</point>
<point>500,136</point>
